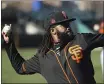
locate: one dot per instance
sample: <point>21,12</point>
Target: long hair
<point>46,43</point>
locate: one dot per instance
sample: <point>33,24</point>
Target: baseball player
<point>64,57</point>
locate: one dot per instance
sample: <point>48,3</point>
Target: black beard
<point>65,38</point>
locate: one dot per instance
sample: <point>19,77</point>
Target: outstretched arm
<point>20,65</point>
<point>94,40</point>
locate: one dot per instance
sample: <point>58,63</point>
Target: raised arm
<point>20,65</point>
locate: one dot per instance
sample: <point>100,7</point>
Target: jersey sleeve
<point>32,65</point>
<point>94,40</point>
<point>21,65</point>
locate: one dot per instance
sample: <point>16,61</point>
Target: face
<point>56,31</point>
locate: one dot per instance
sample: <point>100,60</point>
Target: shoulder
<point>85,35</point>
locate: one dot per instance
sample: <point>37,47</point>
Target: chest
<point>52,61</point>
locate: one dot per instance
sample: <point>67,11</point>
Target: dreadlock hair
<point>46,43</point>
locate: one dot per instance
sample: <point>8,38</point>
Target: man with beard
<point>63,57</point>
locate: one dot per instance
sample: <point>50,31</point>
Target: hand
<point>5,32</point>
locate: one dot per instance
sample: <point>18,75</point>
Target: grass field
<point>10,76</point>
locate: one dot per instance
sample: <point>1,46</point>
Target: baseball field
<point>10,76</point>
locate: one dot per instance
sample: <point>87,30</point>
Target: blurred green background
<point>10,76</point>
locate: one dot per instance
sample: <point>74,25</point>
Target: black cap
<point>58,17</point>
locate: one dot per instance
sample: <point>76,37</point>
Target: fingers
<point>6,38</point>
<point>4,34</point>
<point>5,31</point>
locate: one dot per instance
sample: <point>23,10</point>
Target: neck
<point>56,46</point>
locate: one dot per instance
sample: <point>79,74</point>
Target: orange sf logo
<point>76,52</point>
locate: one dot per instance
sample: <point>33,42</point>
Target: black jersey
<point>60,67</point>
